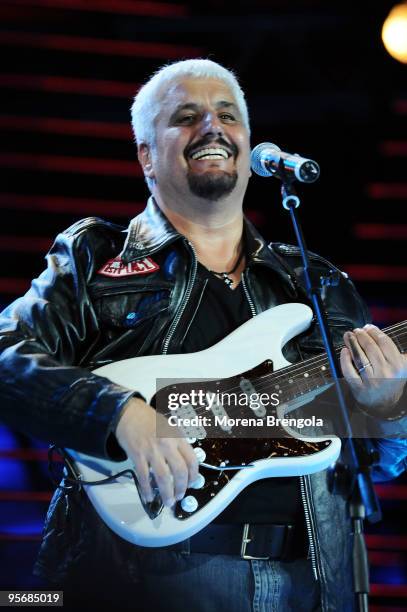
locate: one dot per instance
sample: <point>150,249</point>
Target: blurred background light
<point>394,32</point>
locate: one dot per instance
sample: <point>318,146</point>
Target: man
<point>190,271</point>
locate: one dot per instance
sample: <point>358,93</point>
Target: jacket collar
<point>260,252</point>
<point>151,231</point>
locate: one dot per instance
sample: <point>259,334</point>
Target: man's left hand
<point>374,368</point>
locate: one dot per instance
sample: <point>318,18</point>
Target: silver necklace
<point>225,276</point>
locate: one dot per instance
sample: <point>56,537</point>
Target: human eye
<point>185,119</point>
<point>227,117</point>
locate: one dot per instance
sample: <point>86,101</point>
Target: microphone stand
<point>358,485</point>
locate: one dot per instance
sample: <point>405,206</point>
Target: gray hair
<point>146,106</point>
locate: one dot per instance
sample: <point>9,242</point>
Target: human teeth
<point>210,154</point>
<point>211,157</point>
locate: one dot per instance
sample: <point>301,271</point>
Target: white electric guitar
<point>249,356</point>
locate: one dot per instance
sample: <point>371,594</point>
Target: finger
<point>163,478</point>
<point>348,369</point>
<point>191,460</point>
<point>179,472</point>
<point>371,349</point>
<point>389,349</point>
<point>143,478</point>
<point>356,352</point>
<point>350,373</point>
<point>363,353</point>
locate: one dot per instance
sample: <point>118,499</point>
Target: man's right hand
<point>172,460</point>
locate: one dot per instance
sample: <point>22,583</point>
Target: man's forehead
<point>194,92</point>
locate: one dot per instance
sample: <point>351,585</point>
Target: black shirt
<point>221,310</point>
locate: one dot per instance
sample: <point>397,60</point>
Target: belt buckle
<point>245,542</point>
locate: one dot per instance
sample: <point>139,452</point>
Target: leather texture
<point>74,319</point>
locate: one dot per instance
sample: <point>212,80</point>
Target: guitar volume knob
<point>200,454</point>
<point>198,482</point>
<point>189,504</point>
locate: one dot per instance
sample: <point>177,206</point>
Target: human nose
<point>212,125</point>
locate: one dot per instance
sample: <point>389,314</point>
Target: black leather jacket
<point>86,310</point>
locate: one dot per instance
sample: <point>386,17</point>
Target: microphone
<point>267,159</point>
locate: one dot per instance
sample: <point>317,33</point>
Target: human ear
<point>144,157</point>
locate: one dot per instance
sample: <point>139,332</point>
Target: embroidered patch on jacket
<point>117,268</point>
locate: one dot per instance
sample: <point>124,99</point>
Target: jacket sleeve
<point>43,337</point>
<point>389,438</point>
<point>393,459</point>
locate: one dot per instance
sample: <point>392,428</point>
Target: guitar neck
<point>314,373</point>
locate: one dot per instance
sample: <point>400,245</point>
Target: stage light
<point>394,32</point>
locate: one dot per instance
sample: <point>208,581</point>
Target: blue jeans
<point>164,580</point>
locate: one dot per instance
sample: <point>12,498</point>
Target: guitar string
<point>303,367</point>
<point>299,390</point>
<point>278,374</point>
<point>309,366</point>
<point>282,373</point>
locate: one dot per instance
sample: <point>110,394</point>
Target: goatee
<point>212,187</point>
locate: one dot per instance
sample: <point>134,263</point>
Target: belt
<point>249,541</point>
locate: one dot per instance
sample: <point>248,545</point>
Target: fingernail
<point>357,329</point>
<point>146,500</point>
<point>169,502</point>
<point>180,496</point>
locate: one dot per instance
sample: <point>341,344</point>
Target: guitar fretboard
<point>310,374</point>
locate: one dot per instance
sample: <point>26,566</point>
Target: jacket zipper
<point>248,296</point>
<point>124,288</point>
<point>309,521</point>
<point>184,302</point>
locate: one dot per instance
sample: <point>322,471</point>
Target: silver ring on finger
<point>364,367</point>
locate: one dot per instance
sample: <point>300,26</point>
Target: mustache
<point>230,147</point>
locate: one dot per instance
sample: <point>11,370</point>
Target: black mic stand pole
<point>363,501</point>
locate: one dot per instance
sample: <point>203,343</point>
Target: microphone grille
<point>257,156</point>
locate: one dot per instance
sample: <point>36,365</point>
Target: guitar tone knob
<point>200,454</point>
<point>191,440</point>
<point>198,482</point>
<point>189,504</point>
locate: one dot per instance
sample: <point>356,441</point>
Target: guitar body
<point>258,341</point>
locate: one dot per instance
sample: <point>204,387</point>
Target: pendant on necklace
<point>225,275</point>
<point>227,280</point>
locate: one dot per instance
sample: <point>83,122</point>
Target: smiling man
<point>206,154</point>
<point>189,270</point>
<point>197,163</point>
